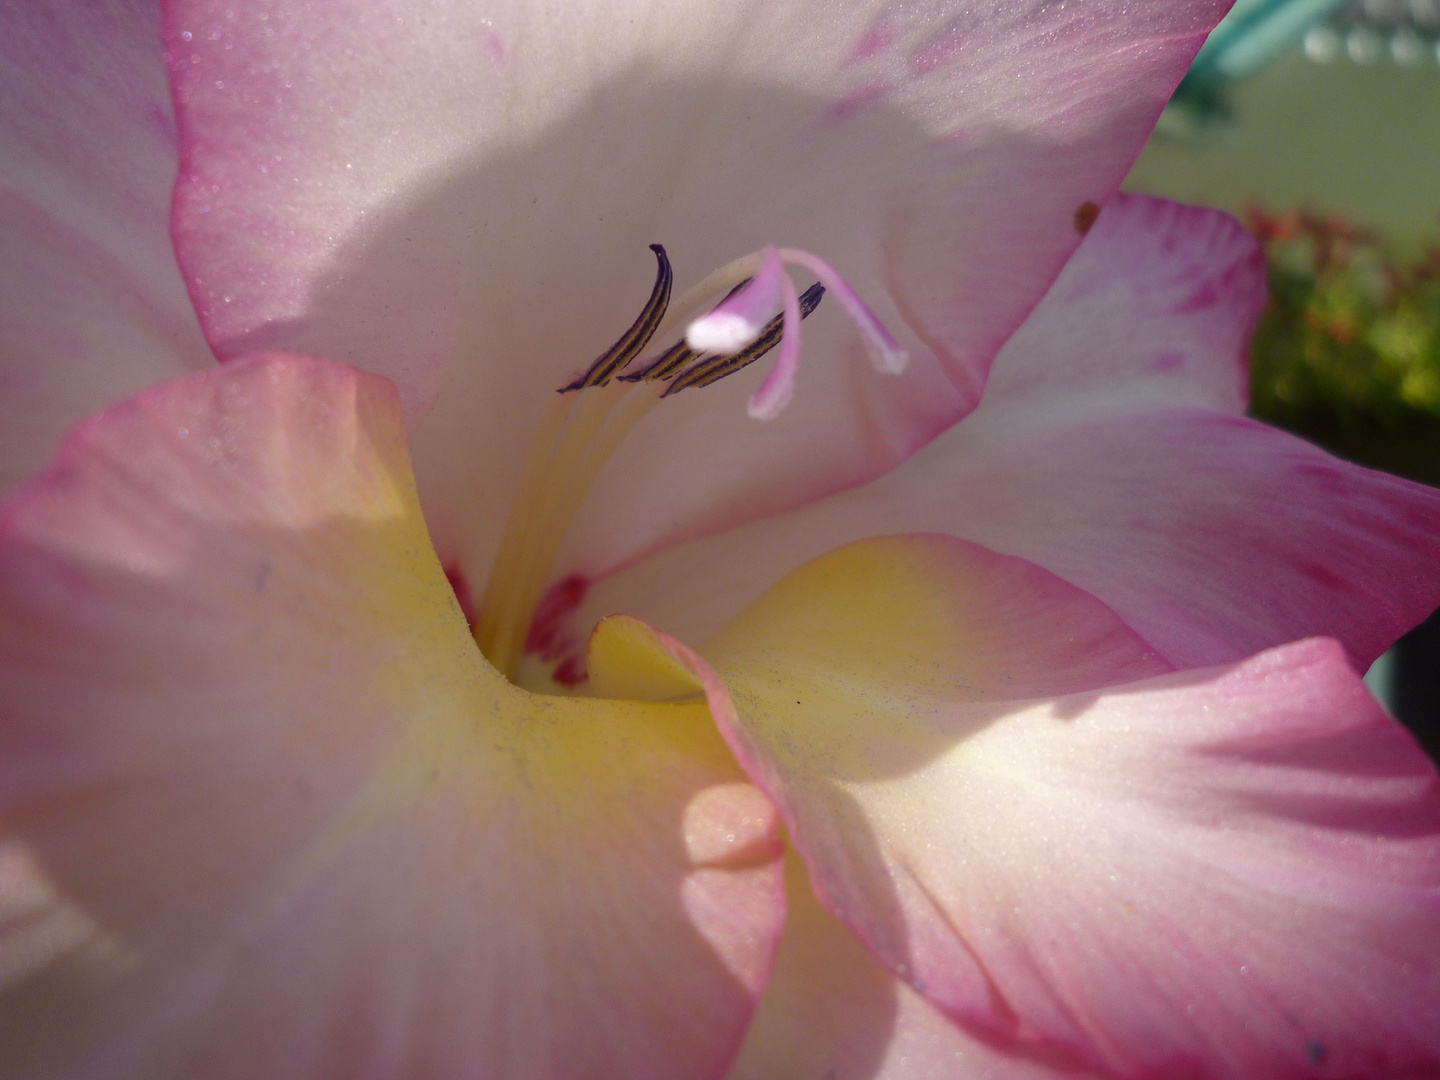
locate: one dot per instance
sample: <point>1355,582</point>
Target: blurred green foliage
<point>1347,352</point>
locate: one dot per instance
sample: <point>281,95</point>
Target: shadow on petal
<point>518,267</point>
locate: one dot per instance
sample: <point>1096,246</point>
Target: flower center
<point>591,415</point>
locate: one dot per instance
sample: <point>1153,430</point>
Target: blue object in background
<point>1253,34</point>
<point>1406,680</point>
<point>1256,32</point>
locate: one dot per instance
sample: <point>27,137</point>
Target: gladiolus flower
<point>940,735</point>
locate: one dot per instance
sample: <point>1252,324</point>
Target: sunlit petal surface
<point>267,812</point>
<point>1224,873</point>
<point>833,1012</point>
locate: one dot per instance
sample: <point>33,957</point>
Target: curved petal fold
<point>832,1010</point>
<point>267,812</point>
<point>412,187</point>
<point>1156,307</point>
<point>1110,450</point>
<point>1223,873</point>
<point>91,297</point>
<point>1212,536</point>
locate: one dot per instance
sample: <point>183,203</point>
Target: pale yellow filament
<point>578,435</point>
<point>498,601</point>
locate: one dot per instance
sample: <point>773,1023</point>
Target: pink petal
<point>1211,535</point>
<point>1228,873</point>
<point>271,813</point>
<point>1109,450</point>
<point>1157,306</point>
<point>832,1010</point>
<point>91,300</point>
<point>497,219</point>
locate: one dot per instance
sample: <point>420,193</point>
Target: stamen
<point>711,369</point>
<point>739,319</point>
<point>666,364</point>
<point>675,357</point>
<point>638,336</point>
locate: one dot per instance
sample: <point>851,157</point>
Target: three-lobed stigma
<point>712,367</point>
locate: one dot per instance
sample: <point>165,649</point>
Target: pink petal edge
<point>960,180</point>
<point>91,299</point>
<point>251,821</point>
<point>1110,449</point>
<point>1173,876</point>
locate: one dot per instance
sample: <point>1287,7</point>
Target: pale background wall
<point>1364,140</point>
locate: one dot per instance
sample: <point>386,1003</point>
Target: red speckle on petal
<point>866,95</point>
<point>1203,298</point>
<point>461,588</point>
<point>873,42</point>
<point>552,638</point>
<point>548,635</point>
<point>942,50</point>
<point>1326,477</point>
<point>495,46</point>
<point>1321,575</point>
<point>570,671</point>
<point>163,125</point>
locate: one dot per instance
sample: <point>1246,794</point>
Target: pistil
<point>593,414</point>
